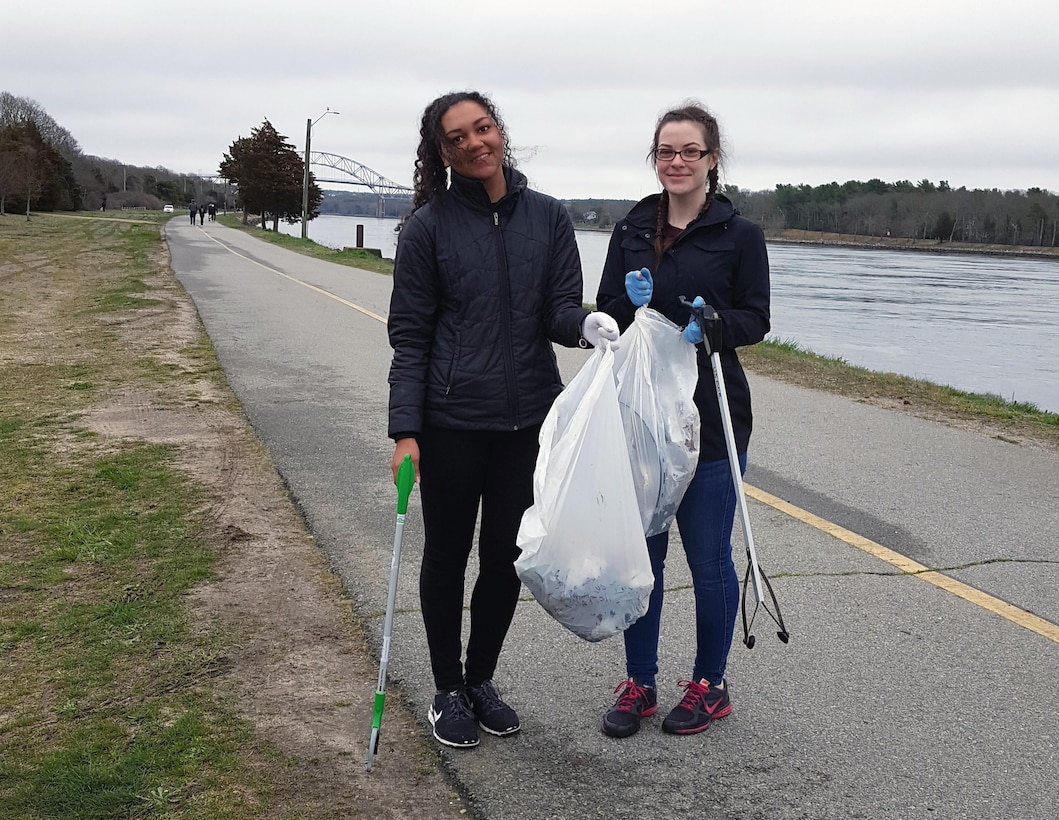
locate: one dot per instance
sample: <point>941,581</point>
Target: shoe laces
<point>488,697</point>
<point>457,706</point>
<point>629,698</point>
<point>694,693</point>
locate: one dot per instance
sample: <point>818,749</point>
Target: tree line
<point>43,167</point>
<point>364,203</point>
<point>907,210</point>
<point>33,166</point>
<point>904,209</point>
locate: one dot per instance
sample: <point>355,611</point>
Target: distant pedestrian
<point>690,241</point>
<point>486,277</point>
<point>193,209</point>
<point>202,215</point>
<point>212,209</point>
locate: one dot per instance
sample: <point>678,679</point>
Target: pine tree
<point>269,174</point>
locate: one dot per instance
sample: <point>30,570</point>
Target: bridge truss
<point>361,175</point>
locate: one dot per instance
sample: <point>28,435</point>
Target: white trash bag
<point>584,555</point>
<point>656,373</point>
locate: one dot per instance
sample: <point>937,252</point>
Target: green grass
<point>353,257</point>
<point>788,361</point>
<point>107,707</point>
<point>103,672</point>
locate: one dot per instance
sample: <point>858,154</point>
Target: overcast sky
<point>805,92</point>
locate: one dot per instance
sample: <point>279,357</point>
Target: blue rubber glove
<point>639,286</point>
<point>693,333</point>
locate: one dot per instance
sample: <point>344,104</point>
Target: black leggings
<point>459,469</point>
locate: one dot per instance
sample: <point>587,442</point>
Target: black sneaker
<point>701,705</point>
<point>453,721</point>
<point>634,702</point>
<point>495,716</point>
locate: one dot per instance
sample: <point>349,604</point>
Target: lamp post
<point>309,123</point>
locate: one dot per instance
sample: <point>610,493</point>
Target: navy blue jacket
<point>721,257</point>
<point>480,291</point>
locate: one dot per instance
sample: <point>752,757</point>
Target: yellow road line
<point>321,291</point>
<point>1010,612</point>
<point>1015,614</point>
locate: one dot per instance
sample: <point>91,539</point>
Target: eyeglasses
<point>686,154</point>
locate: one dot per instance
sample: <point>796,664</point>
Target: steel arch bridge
<point>361,175</point>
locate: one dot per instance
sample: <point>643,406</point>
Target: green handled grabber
<point>406,478</point>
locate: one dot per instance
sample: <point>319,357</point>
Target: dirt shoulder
<point>299,668</point>
<point>301,671</point>
<point>296,664</point>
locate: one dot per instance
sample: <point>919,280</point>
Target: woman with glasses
<point>486,277</point>
<point>689,241</point>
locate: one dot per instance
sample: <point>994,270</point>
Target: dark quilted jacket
<point>480,290</point>
<point>721,257</point>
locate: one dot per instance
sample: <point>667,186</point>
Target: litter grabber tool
<point>406,477</point>
<point>710,324</point>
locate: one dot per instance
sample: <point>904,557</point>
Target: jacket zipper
<point>505,317</point>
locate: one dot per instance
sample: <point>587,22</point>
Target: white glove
<point>599,326</point>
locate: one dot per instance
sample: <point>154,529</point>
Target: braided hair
<point>691,111</point>
<point>431,174</point>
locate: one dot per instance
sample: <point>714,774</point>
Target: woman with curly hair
<point>486,277</point>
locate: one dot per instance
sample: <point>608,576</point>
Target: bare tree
<point>14,110</point>
<point>30,177</point>
<point>8,176</point>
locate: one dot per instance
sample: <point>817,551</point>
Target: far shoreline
<point>796,237</point>
<point>791,236</point>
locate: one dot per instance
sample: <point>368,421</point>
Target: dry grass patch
<point>154,576</point>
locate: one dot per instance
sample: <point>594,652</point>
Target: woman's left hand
<point>403,446</point>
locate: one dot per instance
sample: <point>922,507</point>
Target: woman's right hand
<point>403,447</point>
<point>639,286</point>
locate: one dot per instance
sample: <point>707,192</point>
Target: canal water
<point>984,324</point>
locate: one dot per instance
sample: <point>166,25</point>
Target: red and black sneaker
<point>701,705</point>
<point>634,702</point>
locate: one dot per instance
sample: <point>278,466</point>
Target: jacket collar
<point>644,213</point>
<point>471,192</point>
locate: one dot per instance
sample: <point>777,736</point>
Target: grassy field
<point>154,662</point>
<point>105,707</point>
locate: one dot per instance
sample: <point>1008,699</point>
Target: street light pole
<point>309,123</point>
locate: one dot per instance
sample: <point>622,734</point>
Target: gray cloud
<point>805,93</point>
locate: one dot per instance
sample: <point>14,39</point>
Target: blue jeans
<point>704,519</point>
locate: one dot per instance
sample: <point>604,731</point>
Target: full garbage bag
<point>584,554</point>
<point>656,375</point>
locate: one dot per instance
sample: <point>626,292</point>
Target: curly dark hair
<point>430,175</point>
<point>690,111</point>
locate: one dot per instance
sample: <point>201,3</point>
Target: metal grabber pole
<point>710,323</point>
<point>406,477</point>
